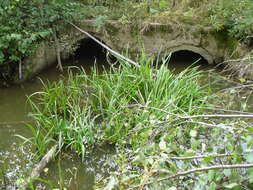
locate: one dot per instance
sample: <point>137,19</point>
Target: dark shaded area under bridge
<point>183,59</point>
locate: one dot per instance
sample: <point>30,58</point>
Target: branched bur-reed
<point>91,109</point>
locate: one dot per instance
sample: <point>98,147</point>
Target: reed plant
<point>96,108</point>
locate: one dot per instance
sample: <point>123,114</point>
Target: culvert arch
<point>197,50</point>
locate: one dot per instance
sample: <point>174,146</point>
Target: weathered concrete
<point>156,39</point>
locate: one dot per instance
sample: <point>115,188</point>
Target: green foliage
<point>24,23</point>
<point>235,16</point>
<point>145,111</point>
<point>72,112</point>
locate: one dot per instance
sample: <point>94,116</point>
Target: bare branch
<point>58,51</point>
<point>211,125</point>
<point>223,110</point>
<point>105,46</point>
<point>217,167</point>
<point>196,116</point>
<point>237,87</point>
<point>208,155</point>
<point>238,60</point>
<point>220,116</point>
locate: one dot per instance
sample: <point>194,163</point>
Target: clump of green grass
<point>88,110</point>
<point>146,112</point>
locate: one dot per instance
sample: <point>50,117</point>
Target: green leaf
<point>250,173</point>
<point>242,80</point>
<point>162,144</point>
<point>193,133</point>
<point>111,184</point>
<point>163,4</point>
<point>231,185</point>
<point>1,57</point>
<point>227,173</point>
<point>211,175</point>
<point>14,58</point>
<point>249,157</point>
<point>212,186</point>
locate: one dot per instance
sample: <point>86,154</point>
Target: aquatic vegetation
<point>104,107</point>
<point>156,121</point>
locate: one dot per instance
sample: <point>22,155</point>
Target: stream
<point>16,157</point>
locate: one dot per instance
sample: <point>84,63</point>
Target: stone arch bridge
<point>155,38</point>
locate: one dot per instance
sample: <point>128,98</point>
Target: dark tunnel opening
<point>89,54</point>
<point>183,59</point>
<point>187,56</point>
<point>88,48</point>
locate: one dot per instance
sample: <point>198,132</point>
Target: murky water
<point>15,159</point>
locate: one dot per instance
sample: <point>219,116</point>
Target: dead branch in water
<point>40,166</point>
<point>115,53</point>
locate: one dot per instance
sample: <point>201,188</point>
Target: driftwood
<point>40,166</point>
<point>115,53</point>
